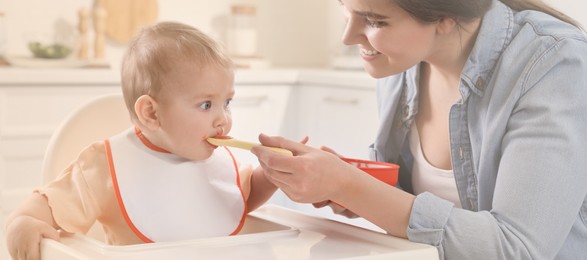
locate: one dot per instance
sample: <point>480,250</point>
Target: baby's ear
<point>146,110</point>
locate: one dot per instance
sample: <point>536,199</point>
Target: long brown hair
<point>467,10</point>
<point>537,5</point>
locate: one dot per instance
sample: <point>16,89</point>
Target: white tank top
<point>426,177</point>
<point>164,197</point>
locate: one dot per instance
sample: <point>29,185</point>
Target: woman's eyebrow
<point>370,15</point>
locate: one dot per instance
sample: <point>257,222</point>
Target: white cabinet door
<point>259,109</point>
<point>344,119</point>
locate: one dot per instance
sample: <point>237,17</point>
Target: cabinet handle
<point>249,101</point>
<point>339,100</point>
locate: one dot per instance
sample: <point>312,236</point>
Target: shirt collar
<point>494,35</point>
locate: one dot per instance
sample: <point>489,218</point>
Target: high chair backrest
<point>96,120</point>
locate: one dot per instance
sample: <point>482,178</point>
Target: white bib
<point>167,198</point>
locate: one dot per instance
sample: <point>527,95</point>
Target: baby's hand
<point>24,234</point>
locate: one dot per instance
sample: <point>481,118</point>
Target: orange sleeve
<point>78,196</point>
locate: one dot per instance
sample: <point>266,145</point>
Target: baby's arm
<point>260,189</point>
<point>27,225</point>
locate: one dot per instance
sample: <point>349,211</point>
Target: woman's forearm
<point>383,205</point>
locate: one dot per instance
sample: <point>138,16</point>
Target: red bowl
<point>385,172</point>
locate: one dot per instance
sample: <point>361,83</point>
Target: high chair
<point>270,232</point>
<point>96,120</point>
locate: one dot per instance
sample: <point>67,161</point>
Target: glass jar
<point>242,33</point>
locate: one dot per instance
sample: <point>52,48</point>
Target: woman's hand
<point>315,176</point>
<point>311,175</point>
<point>336,209</point>
<point>24,234</point>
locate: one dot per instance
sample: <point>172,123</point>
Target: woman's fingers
<point>340,210</point>
<point>336,208</point>
<point>274,177</point>
<point>272,161</point>
<point>330,150</point>
<point>280,162</point>
<point>321,204</point>
<point>305,140</point>
<point>277,141</point>
<point>310,175</point>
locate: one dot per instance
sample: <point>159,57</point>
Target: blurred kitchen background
<point>295,76</point>
<point>301,33</point>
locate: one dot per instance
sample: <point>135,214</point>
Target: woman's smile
<point>369,55</point>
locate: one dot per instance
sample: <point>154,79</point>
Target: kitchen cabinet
<point>338,109</point>
<point>343,119</point>
<point>260,108</point>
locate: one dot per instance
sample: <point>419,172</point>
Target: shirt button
<point>480,84</point>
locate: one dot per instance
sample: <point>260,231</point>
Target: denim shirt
<point>518,143</point>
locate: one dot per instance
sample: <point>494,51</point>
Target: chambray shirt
<point>518,143</point>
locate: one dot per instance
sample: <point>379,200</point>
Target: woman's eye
<point>374,24</point>
<point>206,105</point>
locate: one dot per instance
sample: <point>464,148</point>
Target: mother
<point>483,103</point>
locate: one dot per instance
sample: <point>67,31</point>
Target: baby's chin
<point>197,156</point>
<point>203,156</point>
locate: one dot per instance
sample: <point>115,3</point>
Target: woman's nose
<point>351,31</point>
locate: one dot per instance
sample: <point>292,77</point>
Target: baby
<point>159,180</point>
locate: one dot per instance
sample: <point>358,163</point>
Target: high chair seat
<point>96,120</point>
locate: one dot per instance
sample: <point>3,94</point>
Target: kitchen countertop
<point>64,77</point>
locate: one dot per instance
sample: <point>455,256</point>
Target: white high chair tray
<point>271,232</point>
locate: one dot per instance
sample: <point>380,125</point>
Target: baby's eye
<point>206,105</point>
<point>227,103</point>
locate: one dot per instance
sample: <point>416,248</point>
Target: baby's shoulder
<point>92,163</point>
<point>94,150</point>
